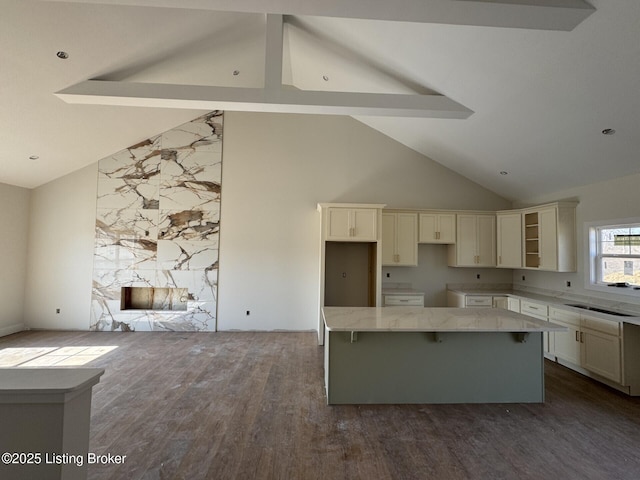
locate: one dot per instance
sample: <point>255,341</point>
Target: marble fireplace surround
<point>158,227</point>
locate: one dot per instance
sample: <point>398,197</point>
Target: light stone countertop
<point>561,300</point>
<point>441,319</point>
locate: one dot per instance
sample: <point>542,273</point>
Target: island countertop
<point>439,319</point>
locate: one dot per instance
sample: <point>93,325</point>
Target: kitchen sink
<point>598,309</point>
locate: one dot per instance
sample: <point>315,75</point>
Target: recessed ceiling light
<point>325,78</point>
<point>236,73</point>
<point>504,173</point>
<point>34,157</point>
<point>62,55</point>
<point>608,131</point>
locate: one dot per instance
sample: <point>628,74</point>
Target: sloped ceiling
<point>540,97</point>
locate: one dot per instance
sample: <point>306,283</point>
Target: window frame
<point>594,255</point>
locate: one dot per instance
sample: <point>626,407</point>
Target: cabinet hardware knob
<point>577,336</point>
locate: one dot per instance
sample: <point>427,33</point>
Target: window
<point>616,258</point>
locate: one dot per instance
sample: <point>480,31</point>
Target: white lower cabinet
<point>462,300</point>
<point>396,300</point>
<point>566,345</point>
<point>608,349</point>
<point>590,343</point>
<point>541,312</point>
<point>599,349</point>
<point>513,304</point>
<point>501,302</point>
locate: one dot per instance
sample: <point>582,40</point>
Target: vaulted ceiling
<point>537,80</point>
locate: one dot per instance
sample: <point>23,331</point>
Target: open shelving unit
<point>532,240</point>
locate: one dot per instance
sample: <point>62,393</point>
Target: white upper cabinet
<point>352,224</point>
<point>475,241</point>
<point>509,239</point>
<point>399,239</point>
<point>550,237</point>
<point>437,228</point>
<point>548,219</point>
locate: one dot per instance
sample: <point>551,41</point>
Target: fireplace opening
<point>153,298</point>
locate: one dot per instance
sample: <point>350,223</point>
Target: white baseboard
<point>15,328</point>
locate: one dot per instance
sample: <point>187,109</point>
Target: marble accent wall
<point>158,225</point>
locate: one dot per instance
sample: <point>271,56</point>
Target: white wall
<point>276,168</point>
<point>609,200</point>
<point>432,275</point>
<point>14,219</point>
<point>62,227</point>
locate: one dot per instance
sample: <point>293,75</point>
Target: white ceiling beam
<point>273,54</point>
<point>532,14</point>
<point>282,100</point>
<point>274,97</point>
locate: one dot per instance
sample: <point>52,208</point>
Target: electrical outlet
<point>523,278</point>
<point>248,312</point>
<point>388,275</point>
<point>478,276</point>
<point>568,283</point>
<point>57,310</point>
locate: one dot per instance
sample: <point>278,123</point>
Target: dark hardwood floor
<point>251,406</point>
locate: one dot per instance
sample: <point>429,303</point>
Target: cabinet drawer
<point>531,308</point>
<point>411,300</point>
<point>478,301</point>
<point>565,316</point>
<point>604,326</point>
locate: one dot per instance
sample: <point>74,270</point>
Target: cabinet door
<point>486,241</point>
<point>364,224</point>
<point>338,223</point>
<point>514,304</point>
<point>600,354</point>
<point>437,228</point>
<point>548,241</point>
<point>388,238</point>
<point>509,240</point>
<point>566,345</point>
<point>447,228</point>
<point>407,239</point>
<point>466,241</point>
<point>541,312</point>
<point>501,302</point>
<point>428,228</point>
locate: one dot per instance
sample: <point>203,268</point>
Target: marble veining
<point>123,193</point>
<point>138,162</point>
<point>192,224</point>
<point>442,319</point>
<point>189,193</point>
<point>158,225</point>
<point>180,255</point>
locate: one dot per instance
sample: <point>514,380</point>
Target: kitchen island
<point>398,355</point>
